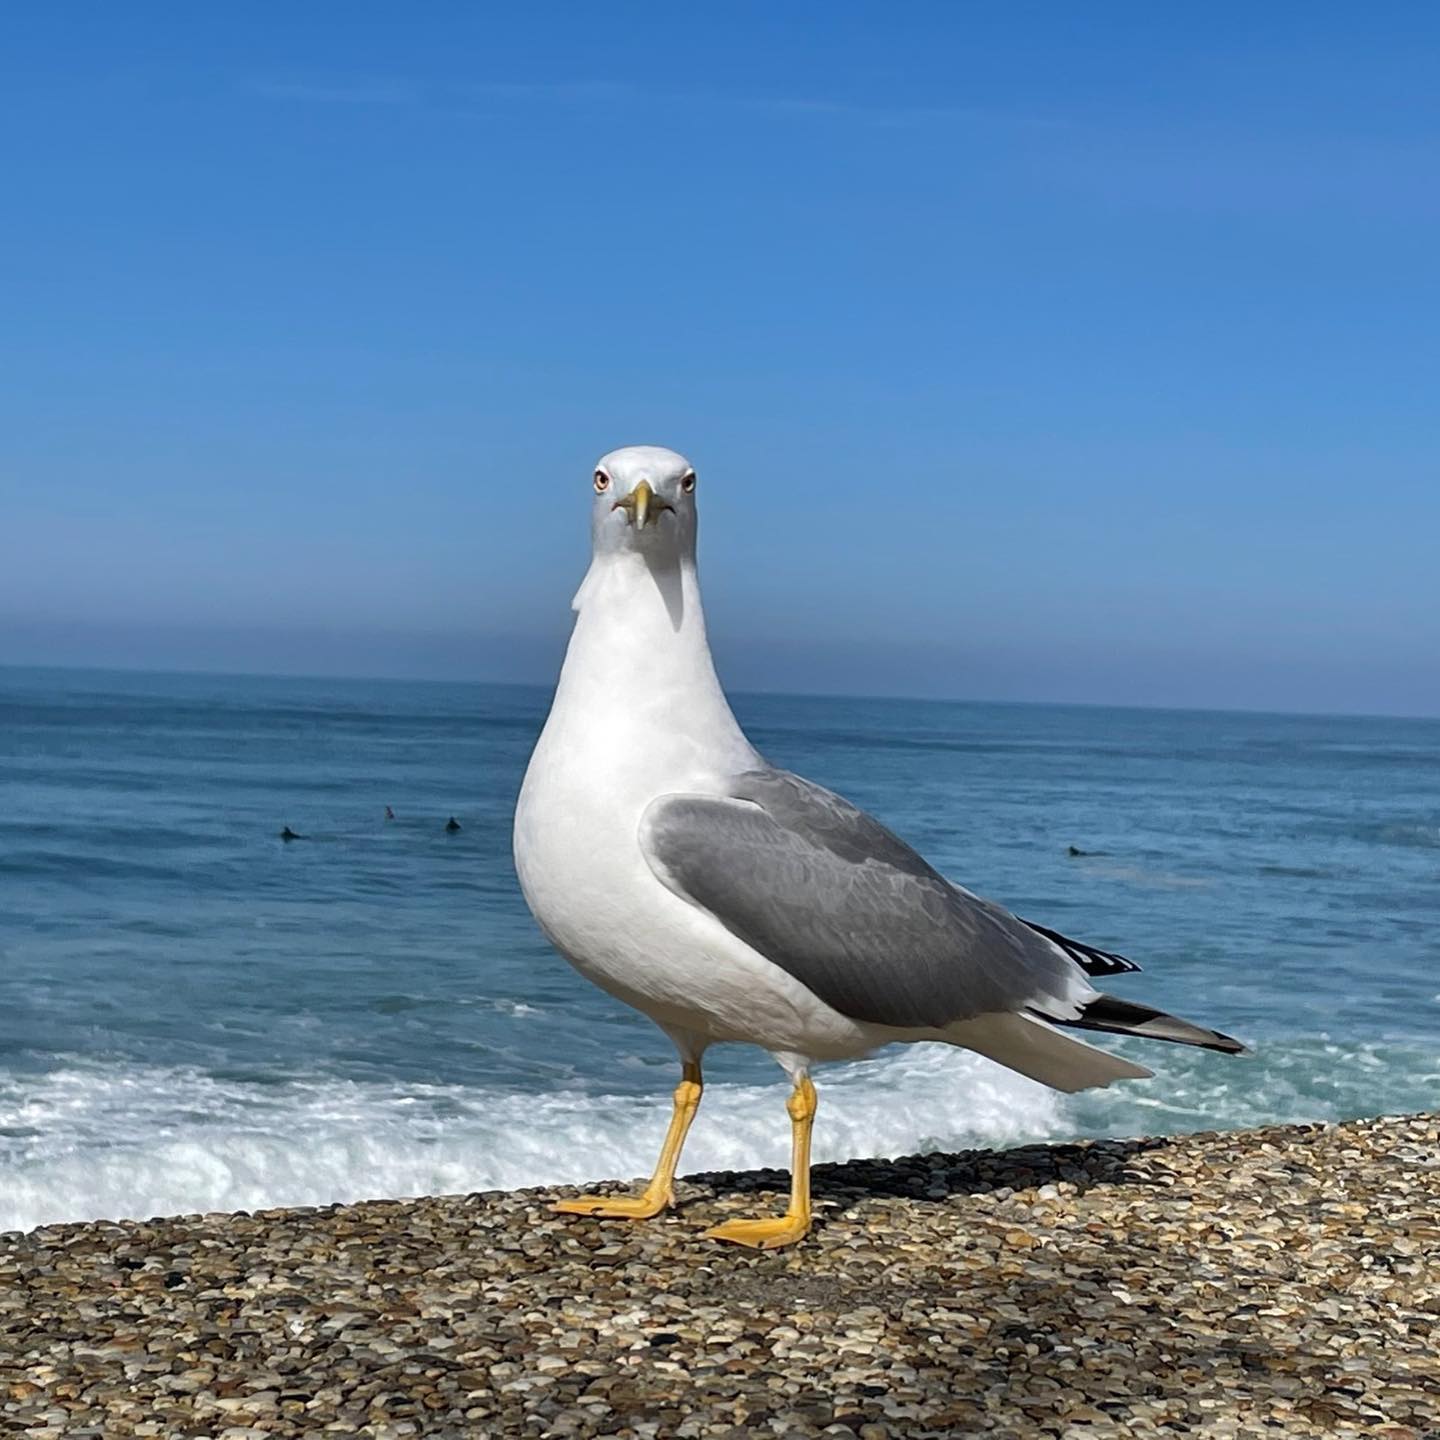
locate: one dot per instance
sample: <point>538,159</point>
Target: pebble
<point>1274,1282</point>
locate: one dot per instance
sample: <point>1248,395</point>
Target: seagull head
<point>644,501</point>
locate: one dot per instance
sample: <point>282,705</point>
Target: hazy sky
<point>1025,351</point>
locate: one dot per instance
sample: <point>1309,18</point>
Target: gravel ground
<point>1280,1282</point>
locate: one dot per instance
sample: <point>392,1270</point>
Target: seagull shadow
<point>1044,1302</point>
<point>937,1176</point>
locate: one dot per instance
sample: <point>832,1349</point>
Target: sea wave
<point>90,1142</point>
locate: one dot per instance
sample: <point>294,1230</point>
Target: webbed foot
<point>617,1207</point>
<point>766,1234</point>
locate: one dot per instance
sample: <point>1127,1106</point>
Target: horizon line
<point>745,691</point>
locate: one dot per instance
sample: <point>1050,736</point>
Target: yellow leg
<point>792,1225</point>
<point>660,1192</point>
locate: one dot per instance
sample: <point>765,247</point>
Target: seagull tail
<point>1122,1017</point>
<point>1027,1043</point>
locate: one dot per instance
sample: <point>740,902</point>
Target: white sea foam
<point>109,1142</point>
<point>89,1142</point>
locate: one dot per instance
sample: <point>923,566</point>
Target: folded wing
<point>830,895</point>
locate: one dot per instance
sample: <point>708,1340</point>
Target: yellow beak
<point>642,502</point>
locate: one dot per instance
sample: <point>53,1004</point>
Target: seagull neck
<point>639,648</point>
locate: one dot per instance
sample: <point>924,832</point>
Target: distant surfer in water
<point>389,813</point>
<point>452,825</point>
<point>287,834</point>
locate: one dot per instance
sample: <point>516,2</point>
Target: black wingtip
<point>1227,1044</point>
<point>1093,962</point>
<point>1123,1017</point>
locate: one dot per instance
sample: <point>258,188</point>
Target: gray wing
<point>829,894</point>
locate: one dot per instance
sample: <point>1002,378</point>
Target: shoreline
<point>1281,1281</point>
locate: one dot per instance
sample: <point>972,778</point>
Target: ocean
<point>196,1015</point>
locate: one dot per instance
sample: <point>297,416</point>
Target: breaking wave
<point>86,1142</point>
<point>90,1142</point>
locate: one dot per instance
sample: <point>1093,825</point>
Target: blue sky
<point>1025,351</point>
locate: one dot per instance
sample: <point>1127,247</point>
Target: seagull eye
<point>688,483</point>
<point>602,482</point>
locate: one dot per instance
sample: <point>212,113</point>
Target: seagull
<point>730,900</point>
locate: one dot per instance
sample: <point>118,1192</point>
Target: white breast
<point>638,713</point>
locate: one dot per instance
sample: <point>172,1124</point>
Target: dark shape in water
<point>389,813</point>
<point>452,825</point>
<point>1075,853</point>
<point>287,834</point>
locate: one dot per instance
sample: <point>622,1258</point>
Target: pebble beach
<point>1274,1282</point>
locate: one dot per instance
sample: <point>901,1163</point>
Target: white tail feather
<point>1044,1054</point>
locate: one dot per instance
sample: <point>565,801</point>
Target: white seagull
<point>728,900</point>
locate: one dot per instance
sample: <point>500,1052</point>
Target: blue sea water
<point>195,1015</point>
